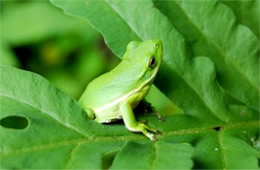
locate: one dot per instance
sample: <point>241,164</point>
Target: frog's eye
<point>152,62</point>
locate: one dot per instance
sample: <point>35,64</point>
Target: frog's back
<point>111,86</point>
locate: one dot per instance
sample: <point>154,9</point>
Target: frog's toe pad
<point>151,136</point>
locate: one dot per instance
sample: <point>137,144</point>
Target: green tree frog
<point>115,94</point>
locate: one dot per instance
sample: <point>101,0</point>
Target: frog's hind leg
<point>90,113</point>
<point>130,122</point>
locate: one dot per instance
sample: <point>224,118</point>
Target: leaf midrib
<point>248,124</point>
<point>72,153</point>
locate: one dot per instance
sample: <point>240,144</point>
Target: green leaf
<point>215,32</point>
<point>56,123</point>
<point>57,131</point>
<point>59,135</point>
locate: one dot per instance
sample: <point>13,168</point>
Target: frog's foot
<point>140,127</point>
<point>90,113</point>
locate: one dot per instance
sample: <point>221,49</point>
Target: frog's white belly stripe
<point>109,105</point>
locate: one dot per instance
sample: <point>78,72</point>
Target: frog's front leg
<point>130,121</point>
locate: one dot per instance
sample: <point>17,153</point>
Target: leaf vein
<point>221,149</point>
<point>72,154</point>
<point>44,146</point>
<point>155,155</point>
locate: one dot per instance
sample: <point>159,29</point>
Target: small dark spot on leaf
<point>14,122</point>
<point>107,159</point>
<point>218,128</point>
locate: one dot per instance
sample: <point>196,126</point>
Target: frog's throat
<point>122,98</point>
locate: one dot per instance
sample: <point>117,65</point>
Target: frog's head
<point>145,57</point>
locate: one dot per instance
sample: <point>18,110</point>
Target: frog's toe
<point>150,129</point>
<point>144,129</point>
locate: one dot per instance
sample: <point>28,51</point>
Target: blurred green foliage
<point>69,53</point>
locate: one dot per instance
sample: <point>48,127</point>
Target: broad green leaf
<point>215,32</point>
<point>59,135</point>
<point>58,130</point>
